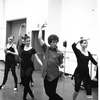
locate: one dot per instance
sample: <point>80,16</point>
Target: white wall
<point>79,18</point>
<point>98,18</point>
<point>1,14</point>
<point>2,30</point>
<point>54,16</point>
<point>34,10</point>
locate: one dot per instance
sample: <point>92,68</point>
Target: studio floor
<point>64,88</point>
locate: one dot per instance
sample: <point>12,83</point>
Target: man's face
<point>53,44</point>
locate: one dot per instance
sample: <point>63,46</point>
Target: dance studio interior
<point>69,20</point>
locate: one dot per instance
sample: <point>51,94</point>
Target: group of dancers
<point>53,58</point>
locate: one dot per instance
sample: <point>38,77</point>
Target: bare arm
<point>38,60</point>
<point>41,41</point>
<point>20,29</point>
<point>16,51</point>
<point>82,38</point>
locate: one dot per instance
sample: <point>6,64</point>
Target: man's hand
<point>44,25</point>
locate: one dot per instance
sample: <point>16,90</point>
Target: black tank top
<point>10,58</point>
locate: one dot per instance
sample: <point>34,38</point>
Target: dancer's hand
<point>44,25</point>
<point>95,68</point>
<point>82,38</point>
<point>23,25</point>
<point>20,29</point>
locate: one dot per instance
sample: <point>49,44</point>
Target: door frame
<point>38,49</point>
<point>9,26</point>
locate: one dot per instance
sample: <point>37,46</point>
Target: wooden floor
<point>65,88</point>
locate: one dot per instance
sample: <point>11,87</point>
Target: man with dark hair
<point>53,59</point>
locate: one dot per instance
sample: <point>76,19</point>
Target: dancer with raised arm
<point>82,70</point>
<point>20,47</point>
<point>52,60</point>
<point>27,66</point>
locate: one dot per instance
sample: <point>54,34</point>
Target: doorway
<point>37,47</point>
<point>13,29</point>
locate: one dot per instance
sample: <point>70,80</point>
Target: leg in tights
<point>7,68</point>
<point>29,73</point>
<point>87,85</point>
<point>13,68</point>
<point>78,81</point>
<point>20,75</point>
<point>27,88</point>
<point>50,89</point>
<point>26,78</point>
<point>31,80</point>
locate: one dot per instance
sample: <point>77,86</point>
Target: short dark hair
<point>53,37</point>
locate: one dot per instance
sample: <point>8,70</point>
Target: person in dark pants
<point>81,73</point>
<point>10,61</point>
<point>52,60</point>
<point>27,66</point>
<point>20,49</point>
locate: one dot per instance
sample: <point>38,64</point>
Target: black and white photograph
<point>49,49</point>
